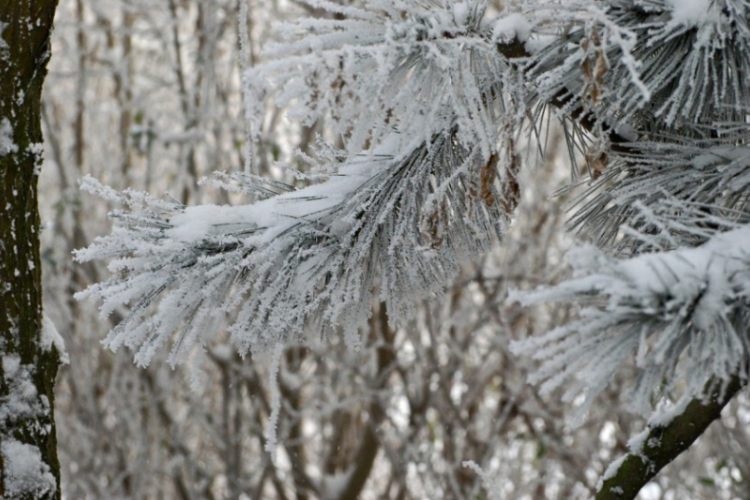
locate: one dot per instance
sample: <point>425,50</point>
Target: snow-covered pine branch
<point>304,262</point>
<point>671,62</point>
<point>412,66</point>
<point>428,108</point>
<point>683,314</point>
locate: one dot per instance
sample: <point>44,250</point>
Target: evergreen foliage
<point>429,99</point>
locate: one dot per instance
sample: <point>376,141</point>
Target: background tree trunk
<point>29,467</point>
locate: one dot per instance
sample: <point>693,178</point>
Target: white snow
<point>662,417</point>
<point>672,308</point>
<point>635,444</point>
<point>611,471</point>
<point>25,472</point>
<point>697,277</point>
<point>50,337</point>
<point>461,11</point>
<point>511,27</point>
<point>22,397</point>
<point>275,214</point>
<point>538,42</point>
<point>7,146</point>
<point>694,12</point>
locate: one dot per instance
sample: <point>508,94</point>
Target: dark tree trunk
<point>29,467</point>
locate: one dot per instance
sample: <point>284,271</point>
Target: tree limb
<point>665,443</point>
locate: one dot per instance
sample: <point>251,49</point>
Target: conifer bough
<point>432,98</point>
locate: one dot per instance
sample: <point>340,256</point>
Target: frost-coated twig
<point>244,60</point>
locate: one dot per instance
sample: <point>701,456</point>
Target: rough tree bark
<point>29,467</point>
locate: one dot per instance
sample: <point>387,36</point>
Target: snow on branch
<point>665,438</point>
<point>305,261</point>
<point>683,314</point>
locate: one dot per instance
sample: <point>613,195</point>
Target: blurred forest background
<point>146,94</point>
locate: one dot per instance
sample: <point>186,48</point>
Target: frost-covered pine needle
<point>414,67</point>
<point>670,192</point>
<point>681,314</point>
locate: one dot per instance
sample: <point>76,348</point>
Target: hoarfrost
<point>673,84</point>
<point>302,263</point>
<point>430,110</point>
